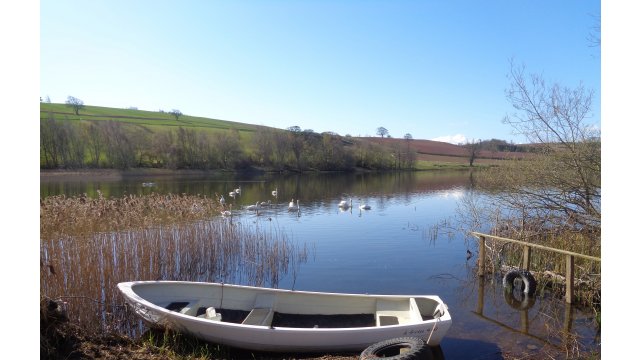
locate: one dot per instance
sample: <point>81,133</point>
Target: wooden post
<point>526,257</point>
<point>569,279</point>
<point>568,318</point>
<point>481,254</point>
<point>524,321</point>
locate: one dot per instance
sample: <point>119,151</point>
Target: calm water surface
<point>399,246</point>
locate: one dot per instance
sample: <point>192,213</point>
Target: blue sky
<point>433,69</point>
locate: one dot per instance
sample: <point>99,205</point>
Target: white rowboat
<point>266,319</point>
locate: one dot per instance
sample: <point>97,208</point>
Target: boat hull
<point>149,300</point>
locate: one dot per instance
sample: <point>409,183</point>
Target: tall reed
<point>80,215</point>
<point>82,265</point>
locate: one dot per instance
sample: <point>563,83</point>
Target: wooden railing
<point>526,258</point>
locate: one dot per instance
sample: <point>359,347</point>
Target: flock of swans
<point>344,205</point>
<point>294,205</point>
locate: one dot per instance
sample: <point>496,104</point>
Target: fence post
<point>569,279</point>
<point>526,257</point>
<point>481,254</point>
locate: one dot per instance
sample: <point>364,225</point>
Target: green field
<point>158,139</point>
<point>138,117</point>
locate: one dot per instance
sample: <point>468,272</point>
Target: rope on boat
<point>432,329</point>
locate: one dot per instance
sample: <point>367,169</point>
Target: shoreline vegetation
<point>110,138</point>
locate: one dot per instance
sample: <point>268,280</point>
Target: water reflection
<point>306,188</point>
<point>549,327</point>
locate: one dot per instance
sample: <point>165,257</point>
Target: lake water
<point>402,245</point>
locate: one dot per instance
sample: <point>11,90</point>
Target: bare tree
<point>176,113</point>
<point>50,142</point>
<point>263,145</point>
<point>119,150</point>
<point>281,142</point>
<point>563,181</point>
<point>382,132</point>
<point>227,145</point>
<point>410,155</point>
<point>473,150</point>
<point>594,37</point>
<point>95,142</point>
<point>75,103</point>
<point>296,141</point>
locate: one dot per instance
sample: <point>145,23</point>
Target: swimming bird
<point>232,194</point>
<point>344,204</point>
<point>365,206</point>
<point>254,207</point>
<point>294,206</point>
<point>227,212</point>
<point>265,203</point>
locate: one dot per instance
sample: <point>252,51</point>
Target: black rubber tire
<point>414,349</point>
<point>529,283</point>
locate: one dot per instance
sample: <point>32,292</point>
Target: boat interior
<point>271,310</point>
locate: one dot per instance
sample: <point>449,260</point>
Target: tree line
<point>66,144</point>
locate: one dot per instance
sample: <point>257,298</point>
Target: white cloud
<point>452,139</point>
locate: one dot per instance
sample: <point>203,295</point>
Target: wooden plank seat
<point>259,316</point>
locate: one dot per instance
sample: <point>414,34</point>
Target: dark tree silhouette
<point>382,132</point>
<point>75,103</point>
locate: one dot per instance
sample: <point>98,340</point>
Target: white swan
<point>254,207</point>
<point>226,213</point>
<point>238,190</point>
<point>294,206</point>
<point>344,204</point>
<point>365,207</point>
<point>232,194</point>
<point>265,203</point>
<point>275,192</point>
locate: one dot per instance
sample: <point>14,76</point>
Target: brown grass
<point>80,215</point>
<point>89,245</point>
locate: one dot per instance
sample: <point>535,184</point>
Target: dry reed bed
<point>79,215</point>
<point>82,266</point>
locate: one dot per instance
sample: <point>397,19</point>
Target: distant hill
<point>429,150</point>
<point>430,154</point>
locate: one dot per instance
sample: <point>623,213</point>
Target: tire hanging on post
<point>402,348</point>
<point>528,286</point>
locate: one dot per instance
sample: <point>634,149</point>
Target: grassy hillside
<point>429,154</point>
<point>137,117</point>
